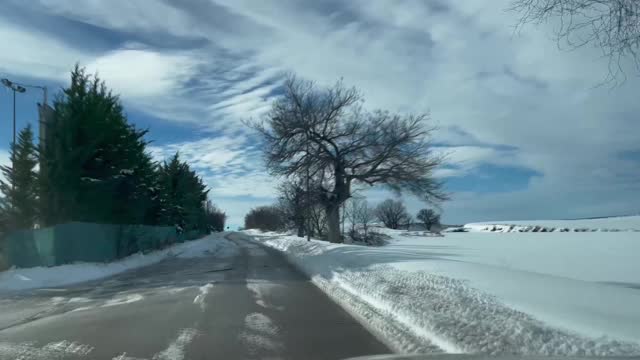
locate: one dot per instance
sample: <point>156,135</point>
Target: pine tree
<point>20,190</point>
<point>184,196</point>
<point>96,166</point>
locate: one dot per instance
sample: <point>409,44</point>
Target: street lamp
<point>306,133</point>
<point>15,88</point>
<point>20,89</point>
<point>43,88</point>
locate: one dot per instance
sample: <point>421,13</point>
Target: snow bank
<point>37,277</point>
<point>611,224</point>
<point>481,293</point>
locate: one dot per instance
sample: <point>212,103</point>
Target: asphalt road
<point>252,305</point>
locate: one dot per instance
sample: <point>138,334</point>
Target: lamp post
<point>308,193</point>
<point>43,88</point>
<point>15,88</point>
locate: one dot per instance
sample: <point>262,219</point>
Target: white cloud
<point>122,14</point>
<point>206,153</point>
<point>484,85</point>
<point>28,52</point>
<point>139,72</point>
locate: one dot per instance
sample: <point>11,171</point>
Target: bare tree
<point>346,145</point>
<point>392,214</point>
<point>360,216</point>
<point>265,218</point>
<point>351,214</point>
<point>428,217</point>
<point>365,217</point>
<point>215,217</point>
<point>611,25</point>
<point>292,200</point>
<point>317,221</point>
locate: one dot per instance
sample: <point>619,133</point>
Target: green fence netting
<point>86,242</point>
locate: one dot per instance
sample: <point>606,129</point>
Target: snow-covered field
<point>29,278</point>
<point>523,293</point>
<point>611,224</point>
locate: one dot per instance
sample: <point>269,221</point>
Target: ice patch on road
<point>83,308</point>
<point>259,290</point>
<point>175,350</point>
<point>79,300</point>
<point>123,300</point>
<point>177,290</point>
<point>200,299</point>
<point>258,343</point>
<point>260,334</point>
<point>54,350</point>
<point>260,323</point>
<point>68,347</point>
<point>56,300</point>
<point>124,356</point>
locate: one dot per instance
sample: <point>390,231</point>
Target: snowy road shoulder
<point>39,277</point>
<point>418,310</point>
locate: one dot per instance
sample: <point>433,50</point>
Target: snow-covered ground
<point>611,224</point>
<point>523,293</point>
<point>29,278</point>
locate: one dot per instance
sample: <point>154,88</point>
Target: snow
<point>620,223</point>
<point>54,350</point>
<point>176,350</point>
<point>38,277</point>
<point>260,335</point>
<point>131,298</point>
<point>200,298</point>
<point>516,293</point>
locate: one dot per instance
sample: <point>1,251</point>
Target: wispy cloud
<point>499,97</point>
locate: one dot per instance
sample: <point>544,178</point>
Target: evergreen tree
<point>184,196</point>
<point>96,168</point>
<point>20,189</point>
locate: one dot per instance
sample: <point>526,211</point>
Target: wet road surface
<point>248,305</point>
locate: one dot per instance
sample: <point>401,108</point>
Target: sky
<point>528,131</point>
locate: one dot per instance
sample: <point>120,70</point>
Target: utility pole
<point>308,193</point>
<point>14,120</point>
<point>15,88</point>
<point>21,88</point>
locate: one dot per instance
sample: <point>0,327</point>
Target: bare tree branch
<point>347,145</point>
<point>392,213</point>
<point>611,25</point>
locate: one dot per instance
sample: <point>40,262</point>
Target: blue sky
<point>527,132</point>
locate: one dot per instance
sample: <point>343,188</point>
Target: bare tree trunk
<point>333,223</point>
<point>301,230</point>
<point>342,219</point>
